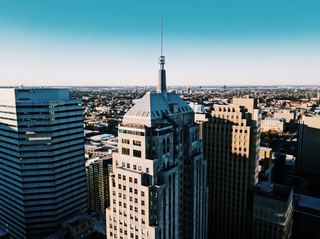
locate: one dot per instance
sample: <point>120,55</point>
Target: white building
<point>272,124</point>
<point>197,108</point>
<point>286,115</point>
<point>158,187</point>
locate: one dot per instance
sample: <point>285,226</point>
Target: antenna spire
<point>161,36</point>
<point>162,72</point>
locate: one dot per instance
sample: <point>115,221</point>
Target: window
<point>163,146</point>
<point>125,141</point>
<point>125,151</point>
<point>137,153</point>
<point>137,142</point>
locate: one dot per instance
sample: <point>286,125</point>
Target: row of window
<point>130,178</point>
<point>134,167</point>
<point>134,142</point>
<point>124,196</point>
<point>135,153</point>
<point>125,233</point>
<point>130,206</point>
<point>133,132</point>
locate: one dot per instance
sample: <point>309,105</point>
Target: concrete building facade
<point>231,137</point>
<point>272,124</point>
<point>158,186</point>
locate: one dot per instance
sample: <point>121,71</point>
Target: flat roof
<point>274,191</point>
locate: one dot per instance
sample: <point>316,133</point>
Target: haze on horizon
<point>231,42</point>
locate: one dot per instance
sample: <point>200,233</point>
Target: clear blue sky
<point>102,42</point>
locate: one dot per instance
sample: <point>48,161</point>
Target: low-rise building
<point>272,211</point>
<point>286,115</point>
<point>306,217</point>
<point>272,124</point>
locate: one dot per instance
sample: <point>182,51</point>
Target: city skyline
<point>206,43</point>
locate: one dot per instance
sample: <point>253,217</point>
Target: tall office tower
<point>308,162</point>
<point>158,187</point>
<point>42,173</point>
<point>272,212</point>
<point>231,145</point>
<point>97,171</point>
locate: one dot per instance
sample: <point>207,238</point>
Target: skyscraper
<point>42,174</point>
<point>231,145</point>
<point>97,172</point>
<point>158,187</point>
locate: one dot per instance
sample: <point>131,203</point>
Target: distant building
<point>197,108</point>
<point>231,145</point>
<point>272,124</point>
<point>286,115</point>
<point>42,172</point>
<point>308,152</point>
<point>272,212</point>
<point>97,172</point>
<point>266,158</point>
<point>306,217</point>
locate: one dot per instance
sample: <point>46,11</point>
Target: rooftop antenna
<point>162,72</point>
<point>161,36</point>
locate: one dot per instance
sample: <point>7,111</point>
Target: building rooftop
<point>153,106</point>
<point>309,202</point>
<point>97,159</point>
<point>274,191</point>
<point>34,94</point>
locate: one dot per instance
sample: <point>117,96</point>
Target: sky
<point>117,42</point>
